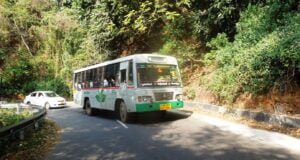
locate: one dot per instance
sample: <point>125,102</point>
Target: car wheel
<point>28,103</point>
<point>88,109</point>
<point>47,105</point>
<point>124,115</point>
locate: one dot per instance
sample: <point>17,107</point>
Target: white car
<point>47,99</point>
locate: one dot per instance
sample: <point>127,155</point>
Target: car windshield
<point>51,94</point>
<point>156,75</point>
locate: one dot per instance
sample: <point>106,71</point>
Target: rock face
<point>284,108</point>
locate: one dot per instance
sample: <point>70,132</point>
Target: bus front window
<point>156,75</point>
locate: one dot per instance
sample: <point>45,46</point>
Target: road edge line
<point>122,124</point>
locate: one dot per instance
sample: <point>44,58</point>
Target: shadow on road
<point>173,137</point>
<point>147,117</point>
<point>57,108</point>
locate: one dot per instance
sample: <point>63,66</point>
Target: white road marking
<point>121,123</point>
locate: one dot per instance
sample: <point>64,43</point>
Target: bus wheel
<point>88,109</point>
<point>124,115</point>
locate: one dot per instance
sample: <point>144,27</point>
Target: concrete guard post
<point>282,120</point>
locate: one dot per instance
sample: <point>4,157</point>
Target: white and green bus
<point>128,85</point>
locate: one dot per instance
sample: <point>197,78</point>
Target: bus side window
<point>106,76</point>
<point>123,76</point>
<point>116,74</point>
<point>87,78</point>
<point>79,78</point>
<point>96,82</point>
<point>100,77</point>
<point>130,73</point>
<point>83,81</point>
<point>75,80</point>
<point>110,75</point>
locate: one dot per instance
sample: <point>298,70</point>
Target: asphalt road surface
<point>180,135</point>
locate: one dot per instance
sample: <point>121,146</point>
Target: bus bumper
<point>158,106</point>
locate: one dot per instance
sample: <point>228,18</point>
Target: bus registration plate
<point>165,106</point>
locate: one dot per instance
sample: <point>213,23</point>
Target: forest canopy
<point>252,46</point>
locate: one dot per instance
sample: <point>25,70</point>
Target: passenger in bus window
<point>83,85</point>
<point>112,82</point>
<point>117,81</point>
<point>105,82</point>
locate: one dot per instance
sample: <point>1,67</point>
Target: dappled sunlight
<point>211,142</point>
<point>276,139</point>
<point>179,135</point>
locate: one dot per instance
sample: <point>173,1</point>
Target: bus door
<point>126,83</point>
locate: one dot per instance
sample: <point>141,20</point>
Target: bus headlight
<point>179,97</point>
<point>145,99</point>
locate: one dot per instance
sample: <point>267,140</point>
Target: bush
<point>9,117</point>
<point>265,54</point>
<point>190,94</point>
<point>57,85</point>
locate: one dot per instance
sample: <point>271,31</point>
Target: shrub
<point>9,117</point>
<point>57,85</point>
<point>190,94</point>
<point>265,54</point>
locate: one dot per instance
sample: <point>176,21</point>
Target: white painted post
<point>18,108</point>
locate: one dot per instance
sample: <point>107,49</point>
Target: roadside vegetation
<point>10,117</point>
<point>235,50</point>
<point>36,145</point>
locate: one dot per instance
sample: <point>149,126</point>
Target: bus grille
<point>163,96</point>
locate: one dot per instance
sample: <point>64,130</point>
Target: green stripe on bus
<point>155,106</point>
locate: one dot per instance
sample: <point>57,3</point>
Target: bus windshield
<point>156,75</point>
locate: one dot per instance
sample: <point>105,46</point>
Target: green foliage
<point>9,117</point>
<point>253,45</point>
<point>57,85</point>
<point>212,17</point>
<point>182,50</point>
<point>190,94</point>
<point>265,54</point>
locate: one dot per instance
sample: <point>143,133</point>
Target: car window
<point>51,94</point>
<point>33,94</point>
<point>40,95</point>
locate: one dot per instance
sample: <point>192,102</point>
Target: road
<point>180,135</point>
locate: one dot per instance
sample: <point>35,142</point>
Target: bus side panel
<point>78,97</point>
<point>129,99</point>
<point>110,98</point>
<point>95,103</point>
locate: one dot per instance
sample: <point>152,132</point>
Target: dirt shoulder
<point>37,145</point>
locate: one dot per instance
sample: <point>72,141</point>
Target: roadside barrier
<point>10,134</point>
<point>282,120</point>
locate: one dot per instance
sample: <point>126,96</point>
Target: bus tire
<point>87,107</point>
<point>123,114</point>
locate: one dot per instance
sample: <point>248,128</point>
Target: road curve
<point>177,136</point>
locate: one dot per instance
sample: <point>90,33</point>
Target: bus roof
<point>138,58</point>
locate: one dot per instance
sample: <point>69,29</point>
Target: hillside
<point>239,53</point>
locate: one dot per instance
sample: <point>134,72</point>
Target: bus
<point>129,85</point>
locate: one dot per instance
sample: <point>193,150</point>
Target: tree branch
<point>23,39</point>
